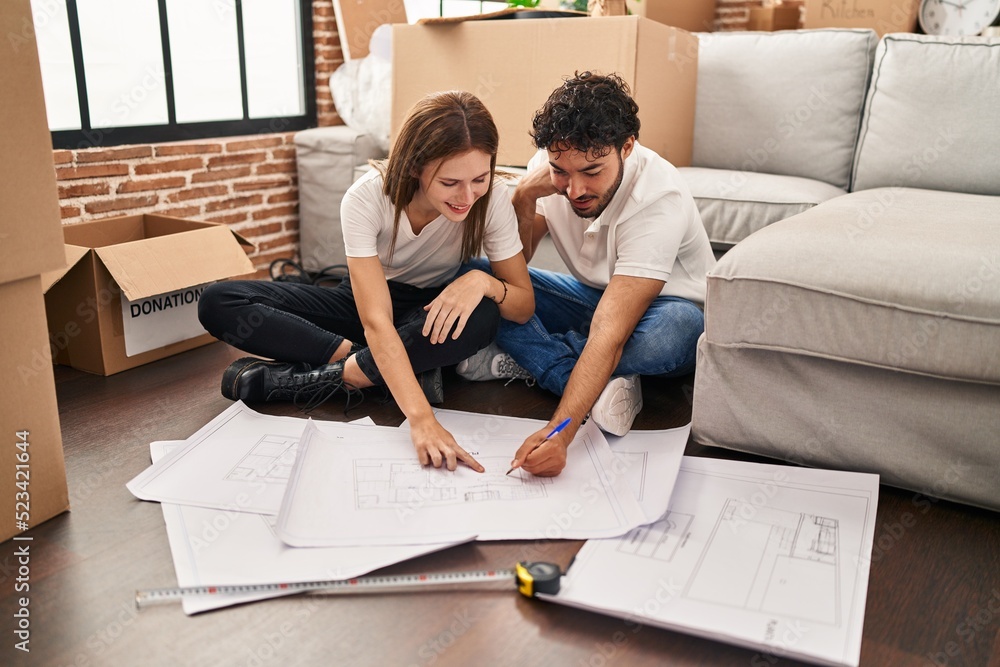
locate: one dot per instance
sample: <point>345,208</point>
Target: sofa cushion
<point>735,204</point>
<point>782,102</point>
<point>937,437</point>
<point>932,119</point>
<point>326,158</point>
<point>892,277</point>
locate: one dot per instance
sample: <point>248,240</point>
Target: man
<point>627,228</point>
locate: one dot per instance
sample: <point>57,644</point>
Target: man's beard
<point>609,194</point>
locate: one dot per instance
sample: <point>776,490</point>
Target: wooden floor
<point>934,595</point>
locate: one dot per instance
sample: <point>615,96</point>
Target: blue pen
<point>551,435</point>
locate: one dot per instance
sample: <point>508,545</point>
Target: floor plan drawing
<point>269,461</point>
<point>381,483</point>
<point>636,460</point>
<point>788,563</point>
<point>771,557</point>
<point>370,489</point>
<point>660,539</point>
<point>240,460</point>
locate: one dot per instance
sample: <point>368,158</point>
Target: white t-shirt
<point>650,229</point>
<point>432,257</point>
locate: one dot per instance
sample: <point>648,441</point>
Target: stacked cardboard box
<point>773,17</point>
<point>32,471</point>
<point>882,16</point>
<point>513,66</point>
<point>690,15</point>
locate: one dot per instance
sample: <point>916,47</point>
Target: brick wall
<point>328,58</point>
<point>246,182</point>
<point>249,183</point>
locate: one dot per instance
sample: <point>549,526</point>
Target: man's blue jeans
<point>549,344</point>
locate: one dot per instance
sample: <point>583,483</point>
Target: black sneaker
<point>259,380</point>
<point>432,384</point>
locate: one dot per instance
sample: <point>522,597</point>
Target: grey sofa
<point>863,332</point>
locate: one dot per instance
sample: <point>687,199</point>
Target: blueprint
<point>347,492</point>
<point>395,483</point>
<point>223,548</point>
<point>269,460</point>
<point>649,460</point>
<point>240,461</point>
<point>775,558</point>
<point>236,462</point>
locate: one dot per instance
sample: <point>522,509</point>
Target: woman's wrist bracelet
<point>504,297</point>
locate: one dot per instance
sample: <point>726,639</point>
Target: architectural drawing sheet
<point>774,558</point>
<point>649,460</point>
<point>345,492</point>
<point>239,461</point>
<point>219,547</point>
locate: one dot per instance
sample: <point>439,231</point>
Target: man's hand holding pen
<point>544,451</point>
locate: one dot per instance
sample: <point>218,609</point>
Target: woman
<point>402,313</point>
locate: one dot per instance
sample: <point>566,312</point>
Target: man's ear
<point>627,148</point>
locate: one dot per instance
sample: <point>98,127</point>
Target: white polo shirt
<point>433,256</point>
<point>650,229</point>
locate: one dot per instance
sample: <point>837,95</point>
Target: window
<point>143,71</point>
<point>421,9</point>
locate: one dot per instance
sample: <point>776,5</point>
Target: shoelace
<point>314,388</point>
<point>506,365</point>
<point>311,396</point>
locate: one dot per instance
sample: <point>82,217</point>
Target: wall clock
<point>957,17</point>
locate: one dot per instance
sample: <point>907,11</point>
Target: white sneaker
<point>618,404</point>
<point>491,363</point>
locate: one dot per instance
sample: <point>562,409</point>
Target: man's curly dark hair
<point>591,113</point>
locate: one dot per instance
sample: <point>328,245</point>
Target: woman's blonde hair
<point>438,127</point>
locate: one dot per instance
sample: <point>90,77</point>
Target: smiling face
<point>449,187</point>
<point>588,182</point>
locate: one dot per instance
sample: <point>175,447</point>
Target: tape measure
<point>529,577</point>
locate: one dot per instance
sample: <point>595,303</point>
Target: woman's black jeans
<point>298,322</point>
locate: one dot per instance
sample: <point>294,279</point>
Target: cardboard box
<point>356,21</point>
<point>34,473</point>
<point>129,294</point>
<point>690,15</point>
<point>882,16</point>
<point>32,470</point>
<point>30,236</point>
<point>774,17</point>
<point>514,65</point>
